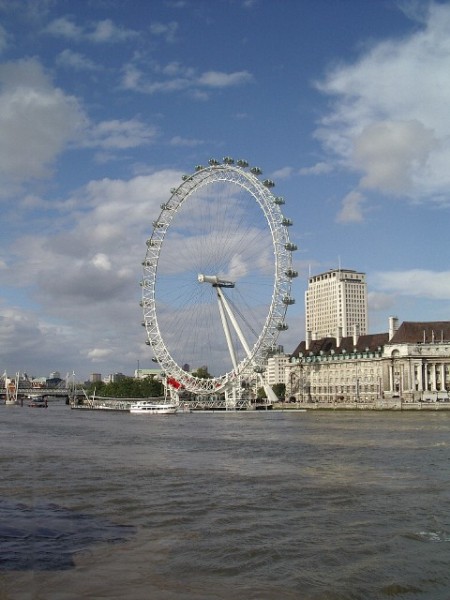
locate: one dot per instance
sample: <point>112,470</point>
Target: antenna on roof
<point>339,262</point>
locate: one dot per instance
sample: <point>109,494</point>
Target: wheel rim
<point>222,221</point>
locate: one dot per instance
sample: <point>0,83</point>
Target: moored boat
<point>37,401</point>
<point>151,408</point>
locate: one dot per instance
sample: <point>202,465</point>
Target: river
<point>253,506</point>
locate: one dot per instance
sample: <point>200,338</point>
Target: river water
<point>258,505</point>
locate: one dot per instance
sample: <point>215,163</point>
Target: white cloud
<point>101,262</point>
<point>37,120</point>
<point>99,354</point>
<point>319,168</point>
<point>104,31</point>
<point>107,31</point>
<point>64,27</point>
<point>76,61</point>
<point>415,283</point>
<point>120,135</point>
<point>180,78</point>
<point>390,116</point>
<point>186,142</point>
<point>166,30</point>
<point>352,208</point>
<point>85,274</point>
<point>379,301</point>
<point>390,153</point>
<point>218,79</point>
<point>283,173</point>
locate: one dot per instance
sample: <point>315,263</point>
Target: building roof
<point>326,345</point>
<point>414,332</point>
<point>409,332</point>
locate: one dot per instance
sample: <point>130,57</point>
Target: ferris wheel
<point>217,279</point>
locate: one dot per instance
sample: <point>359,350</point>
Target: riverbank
<point>394,404</point>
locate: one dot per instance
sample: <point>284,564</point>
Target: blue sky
<point>104,104</point>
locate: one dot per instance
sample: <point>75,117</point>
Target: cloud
<point>283,173</point>
<point>23,335</point>
<point>185,142</point>
<point>179,78</point>
<point>416,283</point>
<point>76,61</point>
<point>218,79</point>
<point>100,32</point>
<point>85,274</point>
<point>379,301</point>
<point>107,31</point>
<point>390,153</point>
<point>320,168</point>
<point>99,354</point>
<point>389,118</point>
<point>3,39</point>
<point>37,120</point>
<point>166,30</point>
<point>115,134</point>
<point>64,27</point>
<point>352,208</point>
<point>101,262</point>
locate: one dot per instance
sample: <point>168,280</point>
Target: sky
<point>105,104</point>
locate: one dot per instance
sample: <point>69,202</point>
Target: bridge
<point>46,392</point>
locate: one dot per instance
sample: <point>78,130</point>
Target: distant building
<point>113,377</point>
<point>143,373</point>
<point>410,363</point>
<point>276,368</point>
<point>336,304</point>
<point>95,377</point>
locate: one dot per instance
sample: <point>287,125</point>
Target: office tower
<point>336,304</point>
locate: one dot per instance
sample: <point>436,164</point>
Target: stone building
<point>417,361</point>
<point>410,363</point>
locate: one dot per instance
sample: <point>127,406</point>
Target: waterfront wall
<point>394,404</point>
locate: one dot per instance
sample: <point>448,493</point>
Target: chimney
<point>355,334</point>
<point>393,326</point>
<point>308,340</point>
<point>338,337</point>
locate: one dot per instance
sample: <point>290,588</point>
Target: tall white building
<point>276,368</point>
<point>336,304</point>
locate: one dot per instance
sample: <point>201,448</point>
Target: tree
<point>279,389</point>
<point>202,373</point>
<point>128,387</point>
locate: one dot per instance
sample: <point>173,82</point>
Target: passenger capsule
<point>268,183</point>
<point>256,171</point>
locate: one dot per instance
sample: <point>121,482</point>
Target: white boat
<point>152,408</point>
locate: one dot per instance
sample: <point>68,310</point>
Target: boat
<point>151,408</point>
<point>35,401</point>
